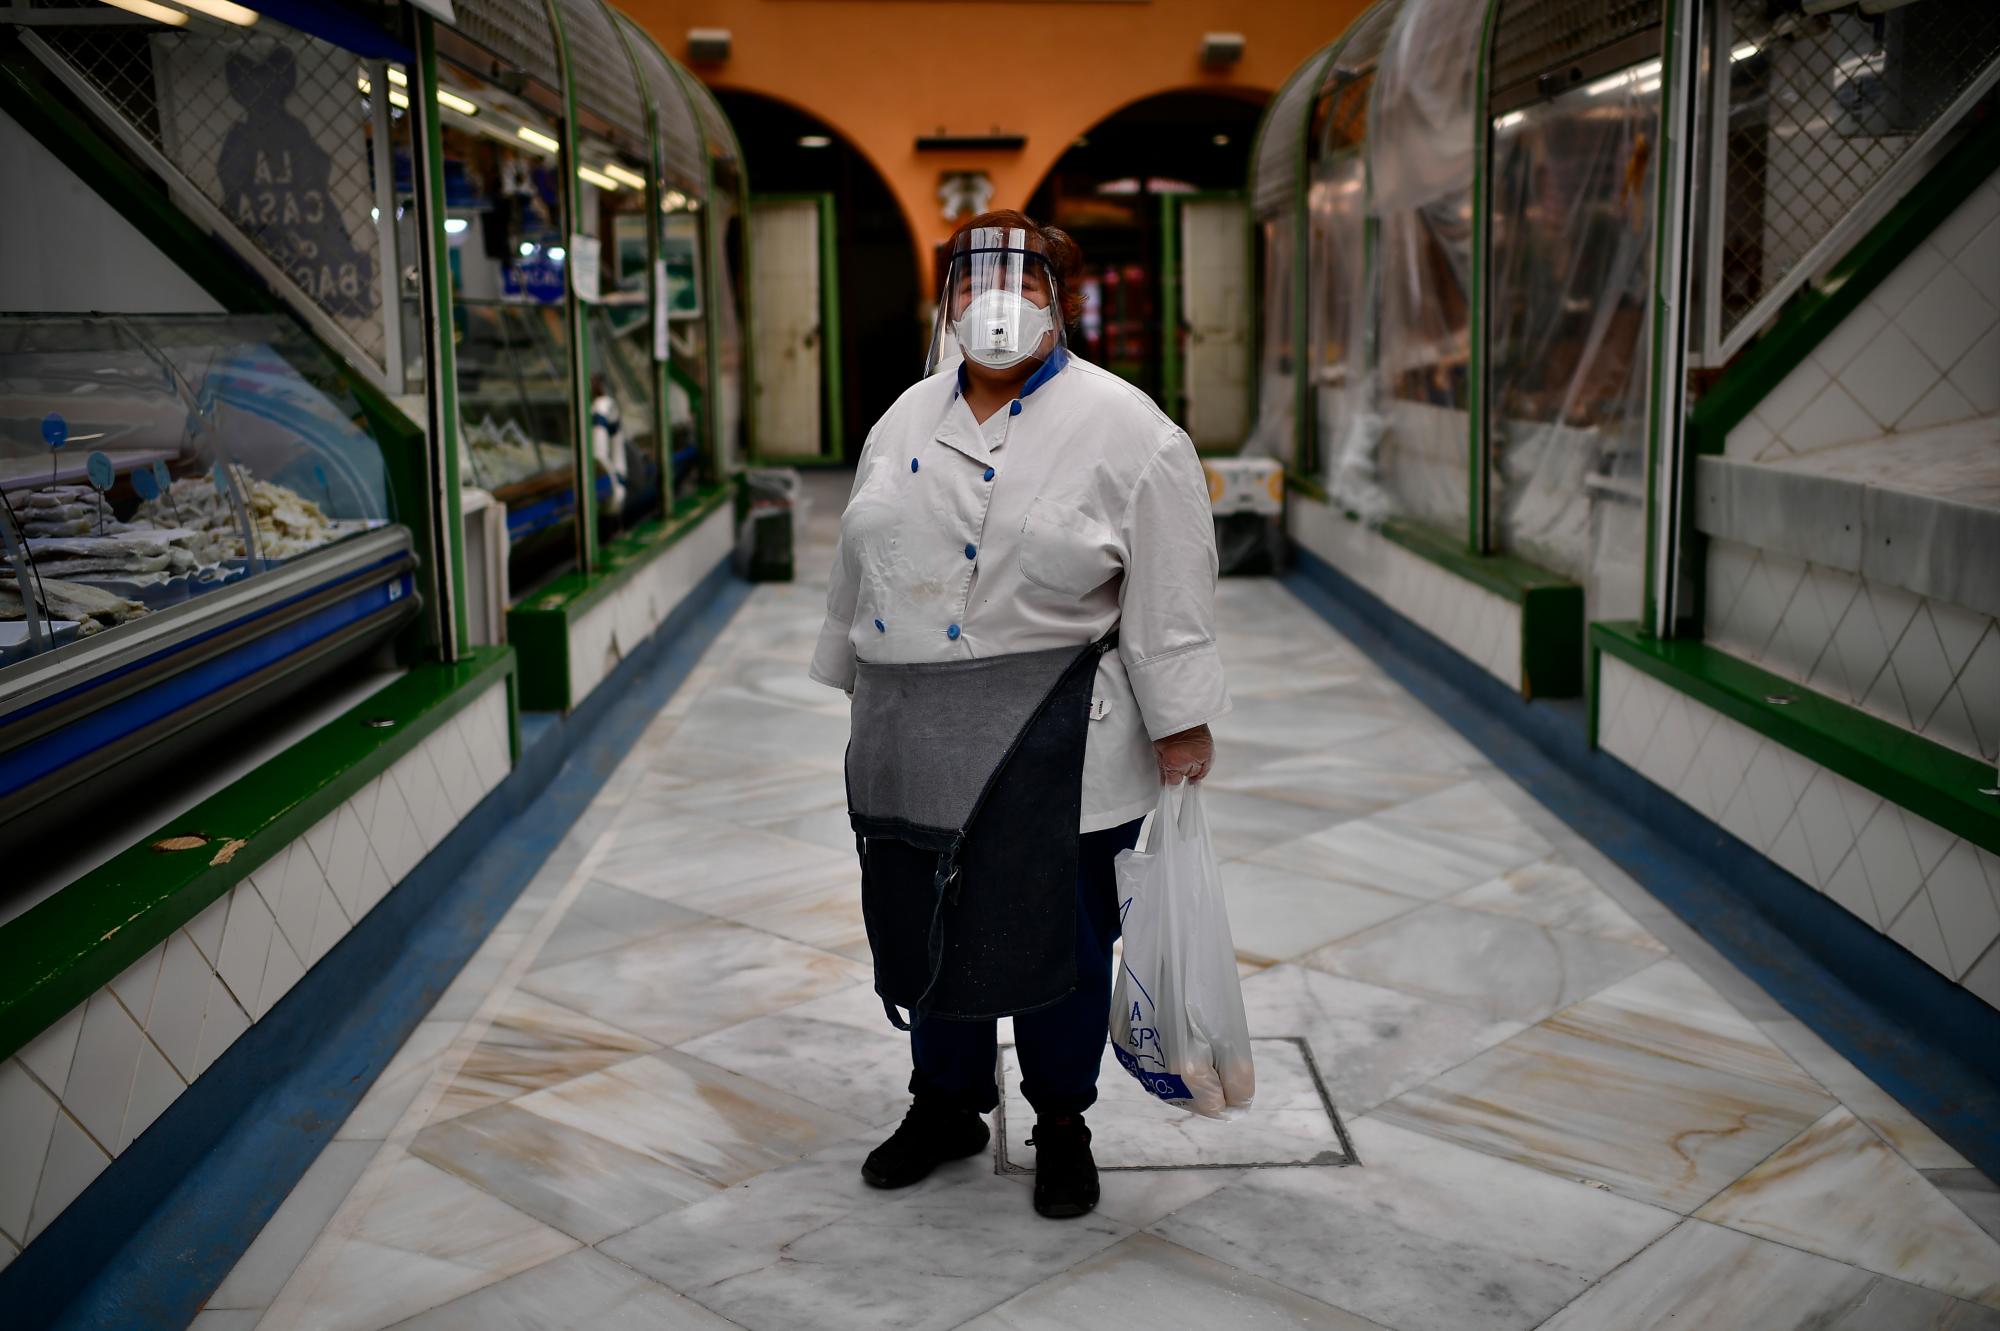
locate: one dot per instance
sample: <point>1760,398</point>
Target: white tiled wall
<point>1476,623</point>
<point>1923,349</point>
<point>1926,665</point>
<point>621,621</point>
<point>85,1089</point>
<point>1935,893</point>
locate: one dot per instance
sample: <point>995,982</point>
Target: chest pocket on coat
<point>1065,551</point>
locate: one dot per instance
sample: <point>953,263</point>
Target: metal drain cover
<point>1292,1123</point>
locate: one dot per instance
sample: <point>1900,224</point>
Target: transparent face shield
<point>998,306</point>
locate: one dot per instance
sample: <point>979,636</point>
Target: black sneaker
<point>1065,1173</point>
<point>928,1137</point>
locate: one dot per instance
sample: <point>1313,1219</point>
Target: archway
<point>790,151</point>
<point>1107,190</point>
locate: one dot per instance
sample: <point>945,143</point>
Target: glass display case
<point>507,231</point>
<point>191,507</point>
<point>724,245</point>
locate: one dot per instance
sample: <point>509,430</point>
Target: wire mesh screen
<point>515,30</point>
<point>680,136</point>
<point>1820,108</point>
<point>1533,36</point>
<point>1274,176</point>
<point>269,125</point>
<point>605,81</point>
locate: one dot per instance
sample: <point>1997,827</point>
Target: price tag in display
<point>146,483</point>
<point>160,478</point>
<point>325,490</point>
<point>219,475</point>
<point>98,467</point>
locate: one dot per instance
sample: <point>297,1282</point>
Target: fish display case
<point>194,514</point>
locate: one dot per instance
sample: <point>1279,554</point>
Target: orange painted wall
<point>882,72</point>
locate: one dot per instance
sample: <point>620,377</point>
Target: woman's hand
<point>1184,757</point>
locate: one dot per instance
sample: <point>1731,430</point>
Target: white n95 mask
<point>1000,329</point>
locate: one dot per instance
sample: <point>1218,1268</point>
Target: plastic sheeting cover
<point>1420,156</point>
<point>1572,249</point>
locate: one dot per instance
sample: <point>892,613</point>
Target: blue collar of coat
<point>1049,369</point>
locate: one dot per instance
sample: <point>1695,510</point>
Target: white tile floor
<point>644,1102</point>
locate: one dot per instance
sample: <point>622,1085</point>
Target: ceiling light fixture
<point>173,18</point>
<point>624,175</point>
<point>1742,51</point>
<point>539,139</point>
<point>398,77</point>
<point>1220,140</point>
<point>599,179</point>
<point>814,141</point>
<point>222,9</point>
<point>452,101</point>
<point>454,225</point>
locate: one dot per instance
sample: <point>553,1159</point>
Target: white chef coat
<point>1076,507</point>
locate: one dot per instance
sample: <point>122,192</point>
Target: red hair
<point>1065,256</point>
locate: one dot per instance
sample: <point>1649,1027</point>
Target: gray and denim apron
<point>965,787</point>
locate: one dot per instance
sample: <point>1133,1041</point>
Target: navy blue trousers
<point>1061,1046</point>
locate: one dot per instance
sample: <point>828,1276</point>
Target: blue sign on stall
<point>98,466</point>
<point>55,430</point>
<point>146,483</point>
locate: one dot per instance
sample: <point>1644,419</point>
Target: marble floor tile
<point>1369,1043</point>
<point>694,980</point>
<point>1410,861</point>
<point>275,1253</point>
<point>1285,1126</point>
<point>1425,1236</point>
<point>1312,722</point>
<point>1506,968</point>
<point>711,1125</point>
<point>671,858</point>
<point>1287,1123</point>
<point>1837,1190</point>
<point>583,1289</point>
<point>408,1072</point>
<point>1576,1096</point>
<point>1971,1192</point>
<point>1148,1282</point>
<point>1703,1275</point>
<point>563,1176</point>
<point>1239,824</point>
<point>838,1051</point>
<point>1142,1197</point>
<point>1278,915</point>
<point>531,1043</point>
<point>1329,782</point>
<point>820,909</point>
<point>1906,1134</point>
<point>918,1263</point>
<point>1472,809</point>
<point>1557,895</point>
<point>604,915</point>
<point>424,1239</point>
<point>1670,1011</point>
<point>226,1319</point>
<point>746,1228</point>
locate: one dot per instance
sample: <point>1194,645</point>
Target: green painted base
<point>67,948</point>
<point>539,627</point>
<point>1918,774</point>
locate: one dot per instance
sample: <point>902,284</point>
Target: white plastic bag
<point>1177,1021</point>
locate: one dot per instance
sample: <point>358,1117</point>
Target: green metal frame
<point>1479,446</point>
<point>539,627</point>
<point>583,464</point>
<point>440,344</point>
<point>60,952</point>
<point>1915,773</point>
<point>833,431</point>
<point>32,99</point>
<point>1666,304</point>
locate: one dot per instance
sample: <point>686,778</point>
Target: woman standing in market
<point>1022,609</point>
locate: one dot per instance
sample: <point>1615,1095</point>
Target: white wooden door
<point>1215,263</point>
<point>787,355</point>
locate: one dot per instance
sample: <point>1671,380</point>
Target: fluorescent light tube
<point>539,139</point>
<point>624,176</point>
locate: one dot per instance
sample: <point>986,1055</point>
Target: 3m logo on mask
<point>1001,329</point>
